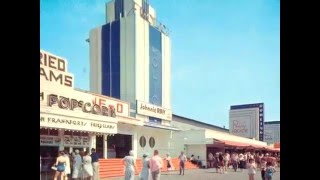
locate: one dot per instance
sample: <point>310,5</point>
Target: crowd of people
<point>151,166</point>
<point>77,165</point>
<point>81,165</point>
<point>250,161</point>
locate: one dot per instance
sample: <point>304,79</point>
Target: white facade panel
<point>110,11</point>
<point>142,59</point>
<point>95,60</point>
<point>166,71</point>
<point>161,137</point>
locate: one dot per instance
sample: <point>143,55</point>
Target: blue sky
<point>224,52</point>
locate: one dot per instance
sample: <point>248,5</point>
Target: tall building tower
<point>130,59</point>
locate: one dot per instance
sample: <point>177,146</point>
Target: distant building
<point>272,132</point>
<point>247,120</point>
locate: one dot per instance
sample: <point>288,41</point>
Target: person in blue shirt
<point>95,164</point>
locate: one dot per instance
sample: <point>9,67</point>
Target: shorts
<point>181,164</point>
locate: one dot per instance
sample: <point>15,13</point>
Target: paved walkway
<point>210,174</point>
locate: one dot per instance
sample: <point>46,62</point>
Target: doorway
<point>119,145</point>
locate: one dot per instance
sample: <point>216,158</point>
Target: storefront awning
<point>236,144</point>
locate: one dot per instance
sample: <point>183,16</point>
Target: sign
<point>76,140</point>
<point>271,133</point>
<point>151,110</point>
<point>63,122</point>
<point>81,104</point>
<point>49,140</point>
<point>54,69</point>
<point>241,127</point>
<point>253,114</point>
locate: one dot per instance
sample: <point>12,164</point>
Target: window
<point>142,141</point>
<point>151,142</point>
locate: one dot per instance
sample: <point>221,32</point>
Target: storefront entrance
<point>119,145</point>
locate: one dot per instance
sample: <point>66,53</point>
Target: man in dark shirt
<point>95,164</point>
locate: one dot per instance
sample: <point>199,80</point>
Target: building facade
<point>247,120</point>
<point>74,119</point>
<point>130,59</point>
<point>272,132</point>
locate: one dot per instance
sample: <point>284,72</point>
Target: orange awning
<point>237,144</point>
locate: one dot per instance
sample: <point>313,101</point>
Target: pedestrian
<point>234,160</point>
<point>263,167</point>
<point>210,160</point>
<point>269,171</point>
<point>156,164</point>
<point>182,160</point>
<point>68,168</point>
<point>95,163</point>
<point>87,166</point>
<point>130,166</point>
<point>221,163</point>
<point>242,162</point>
<point>169,162</point>
<point>251,169</point>
<point>144,174</point>
<point>77,162</point>
<point>60,166</point>
<point>217,163</point>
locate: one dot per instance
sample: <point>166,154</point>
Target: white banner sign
<point>49,140</point>
<point>147,109</point>
<point>64,122</point>
<point>76,140</point>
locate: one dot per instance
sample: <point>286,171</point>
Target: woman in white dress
<point>77,162</point>
<point>144,174</point>
<point>68,169</point>
<point>87,166</point>
<point>130,166</point>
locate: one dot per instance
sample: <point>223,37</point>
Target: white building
<point>272,132</point>
<point>130,60</point>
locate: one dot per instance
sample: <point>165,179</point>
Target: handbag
<point>54,168</point>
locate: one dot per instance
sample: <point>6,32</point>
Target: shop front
<point>75,119</point>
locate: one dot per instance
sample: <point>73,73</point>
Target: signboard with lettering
<point>64,122</point>
<point>247,120</point>
<point>46,140</point>
<point>271,133</point>
<point>151,110</point>
<point>55,97</point>
<point>241,126</point>
<point>80,104</point>
<point>54,69</point>
<point>76,141</point>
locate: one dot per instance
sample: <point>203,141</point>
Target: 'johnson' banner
<point>151,110</point>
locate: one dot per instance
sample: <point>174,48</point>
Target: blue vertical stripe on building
<point>105,59</point>
<point>115,59</point>
<point>155,69</point>
<point>118,9</point>
<point>110,74</point>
